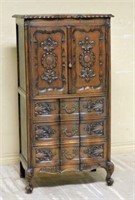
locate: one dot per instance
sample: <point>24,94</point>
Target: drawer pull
<point>71,133</point>
<point>70,110</point>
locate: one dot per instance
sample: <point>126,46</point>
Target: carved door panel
<point>88,59</point>
<point>48,60</point>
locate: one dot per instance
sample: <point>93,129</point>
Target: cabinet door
<point>88,60</point>
<point>48,60</point>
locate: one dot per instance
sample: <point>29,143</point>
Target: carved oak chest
<point>63,94</point>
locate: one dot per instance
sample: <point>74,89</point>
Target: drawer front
<point>46,156</point>
<point>92,129</point>
<point>46,110</point>
<point>92,107</point>
<point>45,134</point>
<point>90,152</point>
<point>69,132</point>
<point>69,109</point>
<point>69,154</point>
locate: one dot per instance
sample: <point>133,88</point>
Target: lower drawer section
<point>90,152</point>
<point>46,156</point>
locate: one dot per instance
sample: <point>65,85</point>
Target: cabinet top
<point>68,16</point>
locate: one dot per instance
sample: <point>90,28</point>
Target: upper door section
<point>88,59</point>
<point>68,56</point>
<point>48,60</point>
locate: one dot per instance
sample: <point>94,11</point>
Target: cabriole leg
<point>28,176</point>
<point>109,170</point>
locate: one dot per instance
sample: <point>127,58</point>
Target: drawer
<point>46,110</point>
<point>69,154</point>
<point>69,132</point>
<point>90,152</point>
<point>46,156</point>
<point>92,107</point>
<point>92,129</point>
<point>45,134</point>
<point>69,109</point>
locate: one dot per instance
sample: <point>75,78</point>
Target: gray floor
<point>73,186</point>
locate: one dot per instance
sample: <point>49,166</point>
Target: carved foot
<point>109,170</point>
<point>109,181</point>
<point>28,176</point>
<point>22,171</point>
<point>28,189</point>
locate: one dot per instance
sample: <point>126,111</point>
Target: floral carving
<point>95,105</point>
<point>49,60</point>
<point>43,108</point>
<point>95,151</point>
<point>87,59</point>
<point>43,132</point>
<point>95,128</point>
<point>43,155</point>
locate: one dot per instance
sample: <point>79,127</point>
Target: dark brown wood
<point>64,80</point>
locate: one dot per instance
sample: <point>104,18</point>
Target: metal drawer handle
<point>70,133</point>
<point>70,110</point>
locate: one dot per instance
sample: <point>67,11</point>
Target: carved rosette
<point>43,132</point>
<point>95,106</point>
<point>43,155</point>
<point>87,59</point>
<point>49,60</point>
<point>95,151</point>
<point>95,128</point>
<point>42,108</point>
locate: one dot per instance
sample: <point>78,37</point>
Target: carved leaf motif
<point>95,106</point>
<point>41,133</point>
<point>96,128</point>
<point>43,155</point>
<point>95,151</point>
<point>43,109</point>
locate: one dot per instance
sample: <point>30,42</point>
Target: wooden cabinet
<point>64,94</point>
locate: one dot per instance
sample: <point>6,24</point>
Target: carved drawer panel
<point>92,129</point>
<point>45,134</point>
<point>46,156</point>
<point>69,132</point>
<point>92,152</point>
<point>69,154</point>
<point>92,107</point>
<point>46,110</point>
<point>69,109</point>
